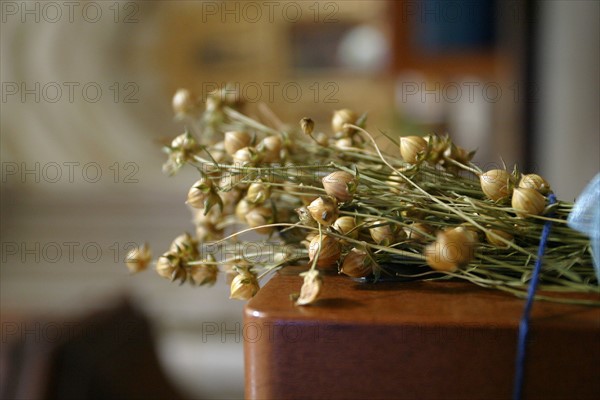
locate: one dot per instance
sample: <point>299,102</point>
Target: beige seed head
<point>138,258</point>
<point>417,232</point>
<point>199,192</point>
<point>341,185</point>
<point>242,209</point>
<point>384,233</point>
<point>528,202</point>
<point>204,274</point>
<point>357,264</point>
<point>170,266</point>
<point>247,156</point>
<point>496,184</point>
<point>235,140</point>
<point>259,216</point>
<point>258,192</point>
<point>331,250</point>
<point>492,237</point>
<point>324,210</point>
<point>534,181</point>
<point>244,286</point>
<point>270,148</point>
<point>185,246</point>
<point>342,117</point>
<point>307,125</point>
<point>412,148</point>
<point>344,143</point>
<point>346,226</point>
<point>452,249</point>
<point>311,288</point>
<point>184,102</point>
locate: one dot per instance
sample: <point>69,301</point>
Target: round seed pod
<point>346,226</point>
<point>342,117</point>
<point>357,264</point>
<point>534,181</point>
<point>270,147</point>
<point>184,103</point>
<point>199,192</point>
<point>242,209</point>
<point>341,185</point>
<point>331,250</point>
<point>204,274</point>
<point>185,246</point>
<point>170,266</point>
<point>258,192</point>
<point>412,148</point>
<point>247,156</point>
<point>496,184</point>
<point>528,202</point>
<point>244,286</point>
<point>324,210</point>
<point>493,240</point>
<point>417,232</point>
<point>236,140</point>
<point>138,258</point>
<point>452,249</point>
<point>259,216</point>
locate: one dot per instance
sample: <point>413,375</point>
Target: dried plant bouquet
<point>332,199</point>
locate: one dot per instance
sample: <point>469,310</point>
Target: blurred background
<point>86,102</point>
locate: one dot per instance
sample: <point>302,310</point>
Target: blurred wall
<point>567,140</point>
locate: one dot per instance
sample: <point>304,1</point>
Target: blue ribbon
<point>524,324</point>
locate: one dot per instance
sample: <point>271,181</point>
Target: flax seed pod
<point>324,210</point>
<point>247,156</point>
<point>384,233</point>
<point>244,286</point>
<point>331,251</point>
<point>534,181</point>
<point>236,140</point>
<point>346,226</point>
<point>341,185</point>
<point>185,246</point>
<point>412,148</point>
<point>491,236</point>
<point>342,117</point>
<point>204,274</point>
<point>417,232</point>
<point>344,143</point>
<point>496,184</point>
<point>137,259</point>
<point>199,192</point>
<point>170,266</point>
<point>452,249</point>
<point>307,125</point>
<point>184,103</point>
<point>258,192</point>
<point>311,288</point>
<point>528,202</point>
<point>259,216</point>
<point>357,264</point>
<point>270,148</point>
<point>242,209</point>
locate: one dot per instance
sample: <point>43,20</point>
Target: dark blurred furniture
<point>419,340</point>
<point>107,355</point>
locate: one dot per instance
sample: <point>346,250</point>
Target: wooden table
<point>419,340</point>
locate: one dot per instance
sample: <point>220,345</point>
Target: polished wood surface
<point>413,340</point>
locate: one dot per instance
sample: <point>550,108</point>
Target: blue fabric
<point>585,218</point>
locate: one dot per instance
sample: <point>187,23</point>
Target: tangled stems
<point>423,197</point>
